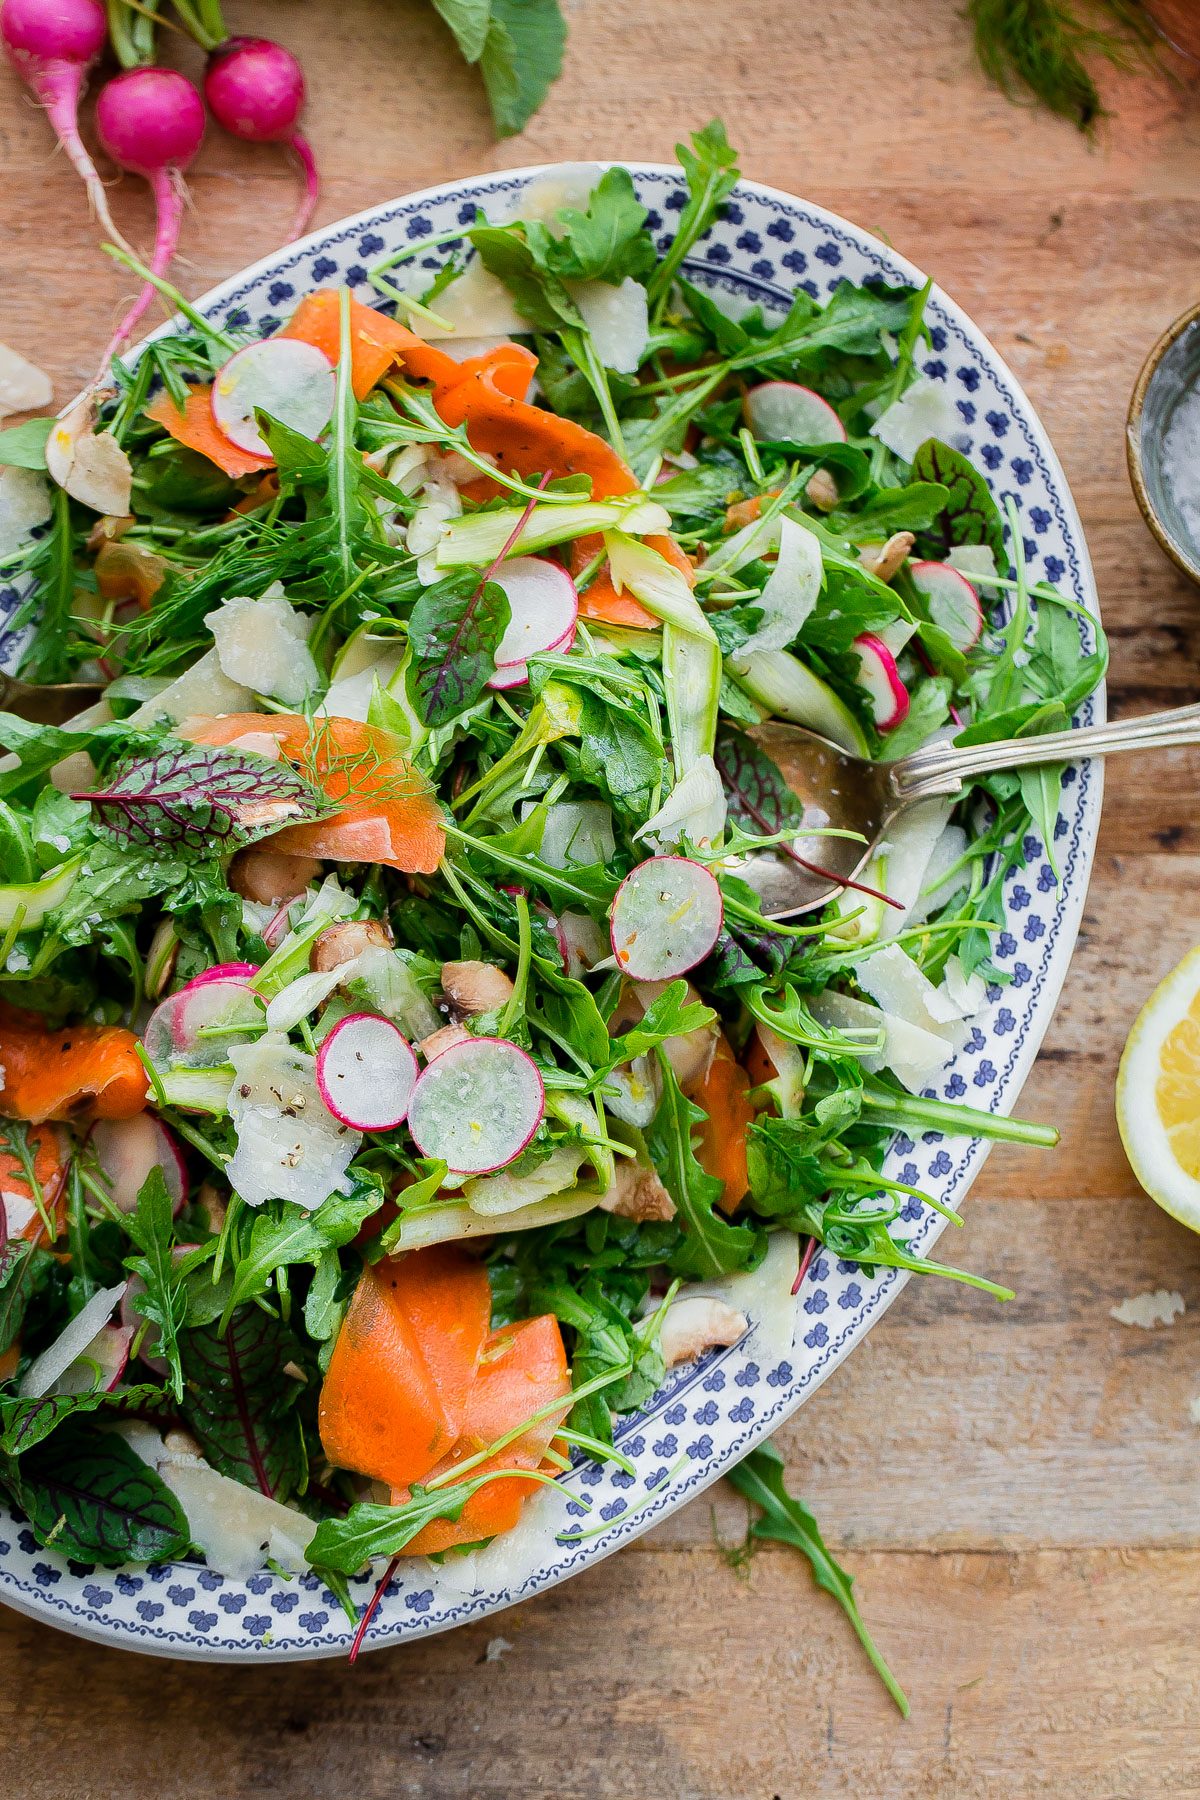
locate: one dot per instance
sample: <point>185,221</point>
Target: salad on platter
<point>400,1072</point>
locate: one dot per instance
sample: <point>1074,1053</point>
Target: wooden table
<point>1014,1488</point>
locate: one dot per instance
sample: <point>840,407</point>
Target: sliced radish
<point>952,601</point>
<point>221,972</point>
<point>57,1358</point>
<point>366,1072</point>
<point>881,678</point>
<point>510,675</point>
<point>127,1150</point>
<point>99,1364</point>
<point>291,380</point>
<point>543,604</point>
<point>477,1105</point>
<point>199,1027</point>
<point>783,412</point>
<point>666,918</point>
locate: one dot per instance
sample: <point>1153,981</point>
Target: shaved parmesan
<point>617,318</point>
<point>54,1361</point>
<point>696,806</point>
<point>93,469</point>
<point>925,410</point>
<point>938,885</point>
<point>909,846</point>
<point>236,1527</point>
<point>263,646</point>
<point>204,688</point>
<point>289,1145</point>
<point>762,1298</point>
<point>23,386</point>
<point>975,561</point>
<point>913,1054</point>
<point>791,589</point>
<point>1148,1310</point>
<point>24,504</point>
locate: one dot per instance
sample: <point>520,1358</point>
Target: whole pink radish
<point>52,44</point>
<point>151,122</point>
<point>256,91</point>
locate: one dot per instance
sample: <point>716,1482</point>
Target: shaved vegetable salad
<point>399,1075</point>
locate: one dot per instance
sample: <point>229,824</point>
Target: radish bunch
<point>151,120</point>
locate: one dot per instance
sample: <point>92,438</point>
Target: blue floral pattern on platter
<point>708,1413</point>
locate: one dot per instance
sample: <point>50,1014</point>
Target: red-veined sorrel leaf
<point>202,798</point>
<point>454,629</point>
<point>95,1500</point>
<point>970,516</point>
<point>239,1403</point>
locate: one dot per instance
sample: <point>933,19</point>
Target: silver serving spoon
<point>52,704</point>
<point>849,793</point>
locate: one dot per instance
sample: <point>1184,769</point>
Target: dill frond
<point>1041,45</point>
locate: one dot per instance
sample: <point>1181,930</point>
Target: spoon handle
<point>941,768</point>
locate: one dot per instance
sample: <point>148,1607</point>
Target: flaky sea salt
<point>1181,461</point>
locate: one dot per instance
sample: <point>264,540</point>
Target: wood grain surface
<point>1015,1489</point>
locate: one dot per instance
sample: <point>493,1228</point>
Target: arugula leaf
<point>912,508</point>
<point>711,1246</point>
<point>970,516</point>
<point>670,1016</point>
<point>240,1404</point>
<point>111,883</point>
<point>712,174</point>
<point>95,1500</point>
<point>164,1303</point>
<point>291,1234</point>
<point>24,446</point>
<point>454,630</point>
<point>369,1531</point>
<point>846,607</point>
<point>787,1520</point>
<point>206,800</point>
<point>511,254</point>
<point>852,322</point>
<point>522,58</point>
<point>618,753</point>
<point>609,241</point>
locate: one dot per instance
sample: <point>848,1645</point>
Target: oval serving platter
<point>709,1413</point>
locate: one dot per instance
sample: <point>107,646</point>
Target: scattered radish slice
<point>477,1105</point>
<point>666,918</point>
<point>286,377</point>
<point>952,601</point>
<point>221,972</point>
<point>783,412</point>
<point>173,1036</point>
<point>366,1072</point>
<point>881,678</point>
<point>510,675</point>
<point>99,1364</point>
<point>127,1150</point>
<point>543,604</point>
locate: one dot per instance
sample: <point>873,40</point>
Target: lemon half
<point>1158,1094</point>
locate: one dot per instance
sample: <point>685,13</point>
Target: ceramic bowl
<point>1168,373</point>
<point>708,1413</point>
